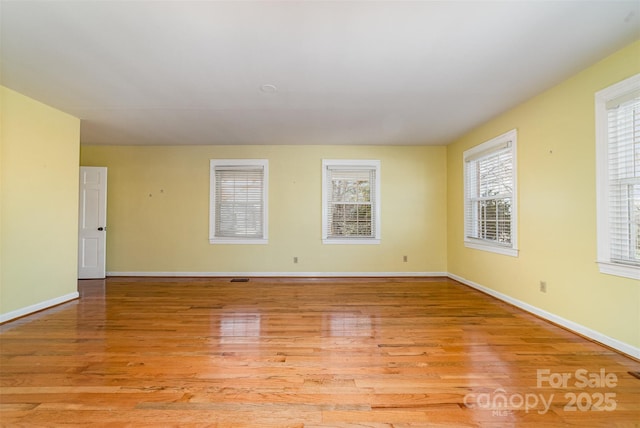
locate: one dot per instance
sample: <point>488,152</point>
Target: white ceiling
<point>384,72</point>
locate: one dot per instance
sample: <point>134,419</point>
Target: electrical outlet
<point>405,259</point>
<point>543,286</point>
<point>295,260</point>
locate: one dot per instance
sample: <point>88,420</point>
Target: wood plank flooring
<point>380,352</point>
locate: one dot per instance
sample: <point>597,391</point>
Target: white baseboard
<point>281,274</point>
<point>38,307</point>
<point>570,325</point>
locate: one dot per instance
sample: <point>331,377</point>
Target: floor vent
<point>240,280</point>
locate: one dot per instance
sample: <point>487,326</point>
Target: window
<point>618,178</point>
<point>490,195</point>
<point>238,201</point>
<point>351,201</point>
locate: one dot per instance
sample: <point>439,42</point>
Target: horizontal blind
<point>239,204</point>
<point>489,195</point>
<point>351,202</point>
<point>624,179</point>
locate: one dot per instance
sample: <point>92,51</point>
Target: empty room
<point>320,213</point>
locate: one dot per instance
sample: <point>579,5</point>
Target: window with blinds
<point>618,174</point>
<point>351,201</point>
<point>238,212</point>
<point>490,193</point>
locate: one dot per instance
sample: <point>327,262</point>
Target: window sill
<point>351,241</point>
<point>216,241</point>
<point>618,269</point>
<point>505,251</point>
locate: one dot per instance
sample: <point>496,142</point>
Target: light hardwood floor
<point>376,353</point>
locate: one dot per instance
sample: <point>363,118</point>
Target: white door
<point>92,233</point>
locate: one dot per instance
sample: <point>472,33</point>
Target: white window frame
<point>506,140</point>
<point>350,164</point>
<point>605,260</point>
<point>240,163</point>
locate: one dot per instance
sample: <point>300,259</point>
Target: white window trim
<point>213,163</point>
<point>369,164</point>
<point>510,137</point>
<point>603,96</point>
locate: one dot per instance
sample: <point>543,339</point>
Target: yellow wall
<point>557,208</point>
<point>158,204</point>
<point>39,151</point>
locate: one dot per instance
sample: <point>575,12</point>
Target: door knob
<point>102,228</point>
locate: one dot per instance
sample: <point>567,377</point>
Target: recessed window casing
<point>618,178</point>
<point>490,208</point>
<point>351,201</point>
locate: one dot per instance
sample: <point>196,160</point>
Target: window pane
<point>625,224</point>
<point>364,193</point>
<point>364,228</point>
